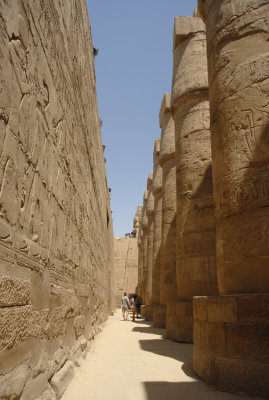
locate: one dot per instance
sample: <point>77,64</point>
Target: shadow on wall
<point>179,351</point>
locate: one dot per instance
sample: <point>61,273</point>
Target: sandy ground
<point>132,361</point>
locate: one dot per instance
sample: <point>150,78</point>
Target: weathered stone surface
<point>230,349</point>
<point>196,269</point>
<point>179,321</point>
<point>61,380</point>
<point>157,234</point>
<point>126,266</point>
<point>159,316</point>
<point>49,394</point>
<point>168,246</point>
<point>14,292</point>
<point>237,37</point>
<point>56,238</point>
<point>195,220</point>
<point>12,384</point>
<point>144,242</point>
<point>150,234</point>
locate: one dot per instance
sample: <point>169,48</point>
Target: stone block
<point>235,353</point>
<point>185,27</point>
<point>222,309</point>
<point>14,291</point>
<point>148,312</point>
<point>249,341</point>
<point>12,383</point>
<point>35,386</point>
<point>18,324</point>
<point>216,336</point>
<point>159,317</point>
<point>200,308</point>
<point>179,321</point>
<point>48,394</point>
<point>253,308</point>
<point>62,378</point>
<point>238,376</point>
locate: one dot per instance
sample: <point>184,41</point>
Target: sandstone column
<point>196,264</point>
<point>168,245</point>
<point>150,229</point>
<point>159,314</point>
<point>144,242</point>
<point>238,59</point>
<point>140,256</point>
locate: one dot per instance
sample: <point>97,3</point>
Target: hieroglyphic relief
<point>168,244</point>
<point>56,239</point>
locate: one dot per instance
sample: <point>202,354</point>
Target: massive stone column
<point>234,352</point>
<point>150,230</point>
<point>144,242</point>
<point>140,256</point>
<point>196,235</point>
<point>158,314</point>
<point>168,245</point>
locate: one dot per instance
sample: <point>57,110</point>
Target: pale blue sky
<point>133,71</point>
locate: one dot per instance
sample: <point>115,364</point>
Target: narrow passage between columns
<point>132,360</point>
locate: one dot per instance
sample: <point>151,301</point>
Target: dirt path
<point>132,361</point>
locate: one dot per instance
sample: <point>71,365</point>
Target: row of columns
<point>206,208</point>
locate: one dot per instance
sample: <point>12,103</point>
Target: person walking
<point>138,303</point>
<point>125,305</point>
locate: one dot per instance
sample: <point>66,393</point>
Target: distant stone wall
<point>56,238</point>
<point>126,266</point>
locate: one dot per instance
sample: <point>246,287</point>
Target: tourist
<point>125,305</point>
<point>138,303</point>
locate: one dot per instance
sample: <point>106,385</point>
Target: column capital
<point>185,27</point>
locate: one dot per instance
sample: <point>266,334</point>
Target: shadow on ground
<point>179,351</point>
<point>148,329</point>
<point>184,391</point>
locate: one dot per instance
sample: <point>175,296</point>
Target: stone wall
<point>126,266</point>
<point>56,237</point>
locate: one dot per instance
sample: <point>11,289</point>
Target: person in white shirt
<point>125,305</point>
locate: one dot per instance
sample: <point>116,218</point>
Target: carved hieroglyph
<point>231,347</point>
<point>238,59</point>
<point>168,164</point>
<point>157,235</point>
<point>196,269</point>
<point>150,231</point>
<point>56,239</point>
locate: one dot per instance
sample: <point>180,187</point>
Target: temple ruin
<point>212,279</point>
<point>56,236</point>
<point>126,261</point>
<point>199,250</point>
